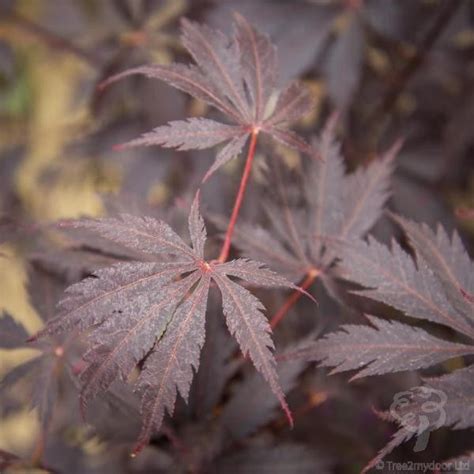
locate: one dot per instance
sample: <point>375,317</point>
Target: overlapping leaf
<point>431,289</point>
<point>395,280</point>
<point>154,311</point>
<point>237,76</point>
<point>422,290</point>
<point>337,205</point>
<point>448,259</point>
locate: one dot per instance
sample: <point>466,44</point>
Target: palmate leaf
<point>154,312</point>
<point>237,76</point>
<point>345,206</point>
<point>336,205</point>
<point>432,290</point>
<point>416,290</point>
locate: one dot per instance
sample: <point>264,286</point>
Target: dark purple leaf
<point>220,60</point>
<point>248,325</point>
<point>448,259</point>
<point>169,369</point>
<point>229,151</point>
<point>12,334</point>
<point>259,64</point>
<point>396,281</point>
<point>190,134</point>
<point>154,312</point>
<point>235,74</point>
<point>387,346</point>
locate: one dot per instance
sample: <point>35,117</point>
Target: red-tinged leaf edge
<point>287,412</point>
<point>301,290</point>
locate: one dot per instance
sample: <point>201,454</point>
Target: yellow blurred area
<point>54,114</point>
<point>13,294</point>
<point>51,112</point>
<point>18,433</point>
<point>48,186</point>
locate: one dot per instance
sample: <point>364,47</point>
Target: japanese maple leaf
<point>432,289</point>
<point>235,75</point>
<point>154,311</point>
<point>335,205</point>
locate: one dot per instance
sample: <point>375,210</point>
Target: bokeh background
<point>393,69</point>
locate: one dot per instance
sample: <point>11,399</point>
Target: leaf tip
<point>354,377</point>
<point>303,291</point>
<point>138,448</point>
<point>208,174</point>
<point>289,416</point>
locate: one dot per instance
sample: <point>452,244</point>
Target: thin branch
<point>293,298</point>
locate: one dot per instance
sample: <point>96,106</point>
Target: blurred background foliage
<point>392,69</point>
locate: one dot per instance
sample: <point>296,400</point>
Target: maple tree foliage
<point>158,337</point>
<point>154,311</point>
<point>433,289</point>
<point>335,205</point>
<point>237,76</point>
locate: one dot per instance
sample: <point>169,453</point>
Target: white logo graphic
<point>417,415</point>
